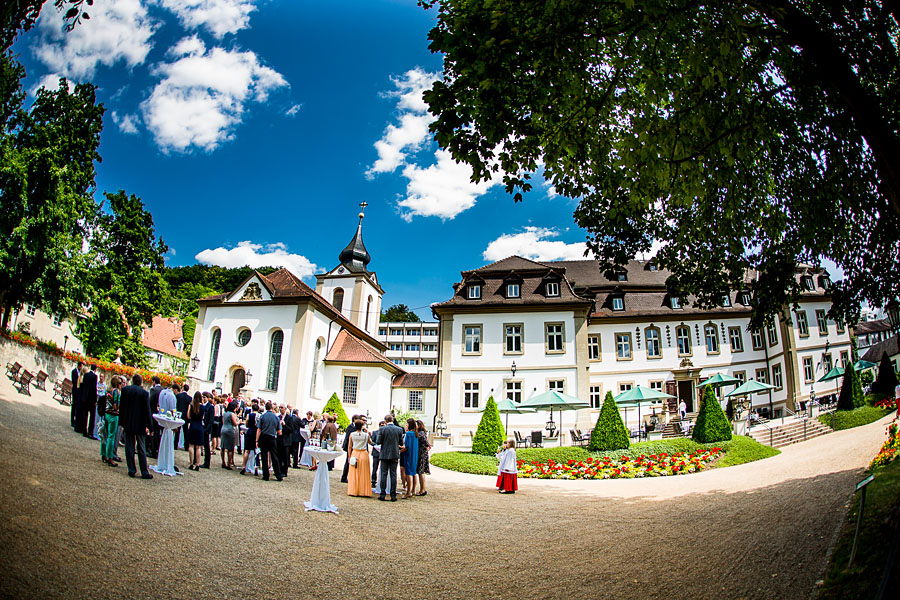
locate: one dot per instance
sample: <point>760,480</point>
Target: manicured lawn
<point>846,419</point>
<point>737,451</point>
<point>875,539</point>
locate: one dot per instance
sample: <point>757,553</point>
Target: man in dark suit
<point>155,428</point>
<point>76,397</point>
<point>182,402</point>
<point>134,417</point>
<point>375,437</point>
<point>296,423</point>
<point>87,416</point>
<point>208,416</point>
<point>345,446</point>
<point>390,436</point>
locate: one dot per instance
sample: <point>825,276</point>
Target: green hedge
<point>742,449</point>
<point>847,419</point>
<point>561,454</point>
<point>465,462</point>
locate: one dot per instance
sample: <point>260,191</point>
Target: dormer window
<point>726,300</point>
<point>651,266</point>
<point>474,291</point>
<point>745,298</point>
<point>552,288</point>
<point>618,303</point>
<point>621,276</point>
<point>513,290</point>
<point>808,283</point>
<point>825,282</point>
<point>675,302</point>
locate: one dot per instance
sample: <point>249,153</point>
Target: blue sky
<point>252,129</point>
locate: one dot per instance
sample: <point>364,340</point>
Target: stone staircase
<point>789,433</point>
<point>673,427</point>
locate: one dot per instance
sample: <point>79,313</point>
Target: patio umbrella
<point>554,399</point>
<point>719,380</point>
<point>862,365</point>
<point>508,407</point>
<point>639,394</point>
<point>750,387</point>
<point>835,373</point>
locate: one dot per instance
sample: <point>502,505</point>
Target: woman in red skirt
<point>507,472</point>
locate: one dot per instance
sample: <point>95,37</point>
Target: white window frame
<point>711,337</point>
<point>648,342</point>
<point>762,375</point>
<point>594,347</point>
<point>777,379</point>
<point>736,335</point>
<point>809,369</point>
<point>687,338</point>
<point>595,396</point>
<point>623,344</point>
<point>476,339</point>
<point>513,290</point>
<point>802,324</point>
<point>421,400</point>
<point>618,303</point>
<point>559,335</point>
<point>474,291</point>
<point>756,339</point>
<point>513,389</point>
<point>351,399</point>
<point>822,322</point>
<point>556,384</point>
<point>552,289</point>
<point>471,395</point>
<point>772,334</point>
<point>513,337</point>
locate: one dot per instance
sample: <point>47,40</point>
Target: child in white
<point>507,472</point>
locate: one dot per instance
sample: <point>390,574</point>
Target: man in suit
<point>285,440</point>
<point>155,428</point>
<point>87,415</point>
<point>294,452</point>
<point>208,415</point>
<point>390,436</point>
<point>76,397</point>
<point>134,417</point>
<point>268,429</point>
<point>182,402</point>
<point>375,436</point>
<point>345,446</point>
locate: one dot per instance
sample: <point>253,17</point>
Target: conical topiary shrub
<point>856,391</point>
<point>887,379</point>
<point>609,432</point>
<point>333,406</point>
<point>845,399</point>
<point>712,425</point>
<point>489,434</point>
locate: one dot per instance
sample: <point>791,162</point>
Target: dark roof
<point>348,348</point>
<point>889,346</point>
<point>866,327</point>
<point>510,263</point>
<point>416,380</point>
<point>657,304</point>
<point>355,257</point>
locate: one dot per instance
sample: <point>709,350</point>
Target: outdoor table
<point>305,460</point>
<point>165,464</point>
<point>320,498</point>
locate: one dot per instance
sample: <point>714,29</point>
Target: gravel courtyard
<point>73,527</point>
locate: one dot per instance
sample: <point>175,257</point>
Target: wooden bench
<point>62,391</point>
<point>40,382</point>
<point>12,371</point>
<point>23,383</point>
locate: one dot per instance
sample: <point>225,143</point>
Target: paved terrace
<point>73,527</point>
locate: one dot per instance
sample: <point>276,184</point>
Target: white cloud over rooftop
<point>254,255</point>
<point>535,243</point>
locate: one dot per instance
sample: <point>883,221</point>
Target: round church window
<point>243,337</point>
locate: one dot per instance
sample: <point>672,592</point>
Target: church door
<point>237,382</point>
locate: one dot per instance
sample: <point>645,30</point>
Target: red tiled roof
<point>349,348</point>
<point>162,335</point>
<point>416,380</point>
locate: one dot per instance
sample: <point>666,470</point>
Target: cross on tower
<point>362,208</point>
<point>363,205</point>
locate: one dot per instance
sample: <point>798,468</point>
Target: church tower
<point>351,287</point>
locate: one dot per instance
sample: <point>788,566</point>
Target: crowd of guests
<point>268,437</point>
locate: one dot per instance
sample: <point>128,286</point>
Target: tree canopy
<point>399,313</point>
<point>752,135</point>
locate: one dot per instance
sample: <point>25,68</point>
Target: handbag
<point>353,461</point>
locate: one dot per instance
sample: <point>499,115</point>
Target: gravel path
<point>72,527</point>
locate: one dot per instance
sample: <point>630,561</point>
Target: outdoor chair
<point>520,441</point>
<point>62,392</point>
<point>23,383</point>
<point>40,382</point>
<point>537,439</point>
<point>12,371</point>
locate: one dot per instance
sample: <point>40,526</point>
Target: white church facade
<point>276,338</point>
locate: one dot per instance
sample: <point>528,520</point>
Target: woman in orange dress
<point>359,477</point>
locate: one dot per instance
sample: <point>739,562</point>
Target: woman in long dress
<point>409,457</point>
<point>194,434</point>
<point>424,446</point>
<point>229,422</point>
<point>359,479</point>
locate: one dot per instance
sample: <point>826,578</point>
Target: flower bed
<point>50,348</point>
<point>889,449</point>
<point>626,467</point>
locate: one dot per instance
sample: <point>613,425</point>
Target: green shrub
<point>866,378</point>
<point>334,407</point>
<point>856,391</point>
<point>489,434</point>
<point>466,462</point>
<point>845,398</point>
<point>847,419</point>
<point>561,454</point>
<point>742,449</point>
<point>887,378</point>
<point>712,426</point>
<point>609,432</point>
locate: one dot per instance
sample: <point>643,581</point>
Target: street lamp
<point>195,362</point>
<point>513,369</point>
<point>247,376</point>
<point>441,425</point>
<point>65,342</point>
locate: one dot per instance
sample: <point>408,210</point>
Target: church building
<point>276,338</point>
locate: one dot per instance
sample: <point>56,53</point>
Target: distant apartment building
<point>414,346</point>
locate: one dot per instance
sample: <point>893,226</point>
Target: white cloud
<point>51,82</point>
<point>126,123</point>
<point>118,31</point>
<point>202,95</point>
<point>292,111</point>
<point>412,129</point>
<point>256,255</point>
<point>534,243</point>
<point>217,16</point>
<point>443,189</point>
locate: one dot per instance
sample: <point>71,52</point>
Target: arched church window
<point>338,299</point>
<point>214,354</point>
<point>315,368</point>
<point>368,312</point>
<point>274,360</point>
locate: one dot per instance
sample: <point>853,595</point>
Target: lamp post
<point>513,368</point>
<point>195,362</point>
<point>247,376</point>
<point>441,425</point>
<point>65,342</point>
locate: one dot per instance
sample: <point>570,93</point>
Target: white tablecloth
<point>305,460</point>
<point>320,498</point>
<point>165,464</point>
